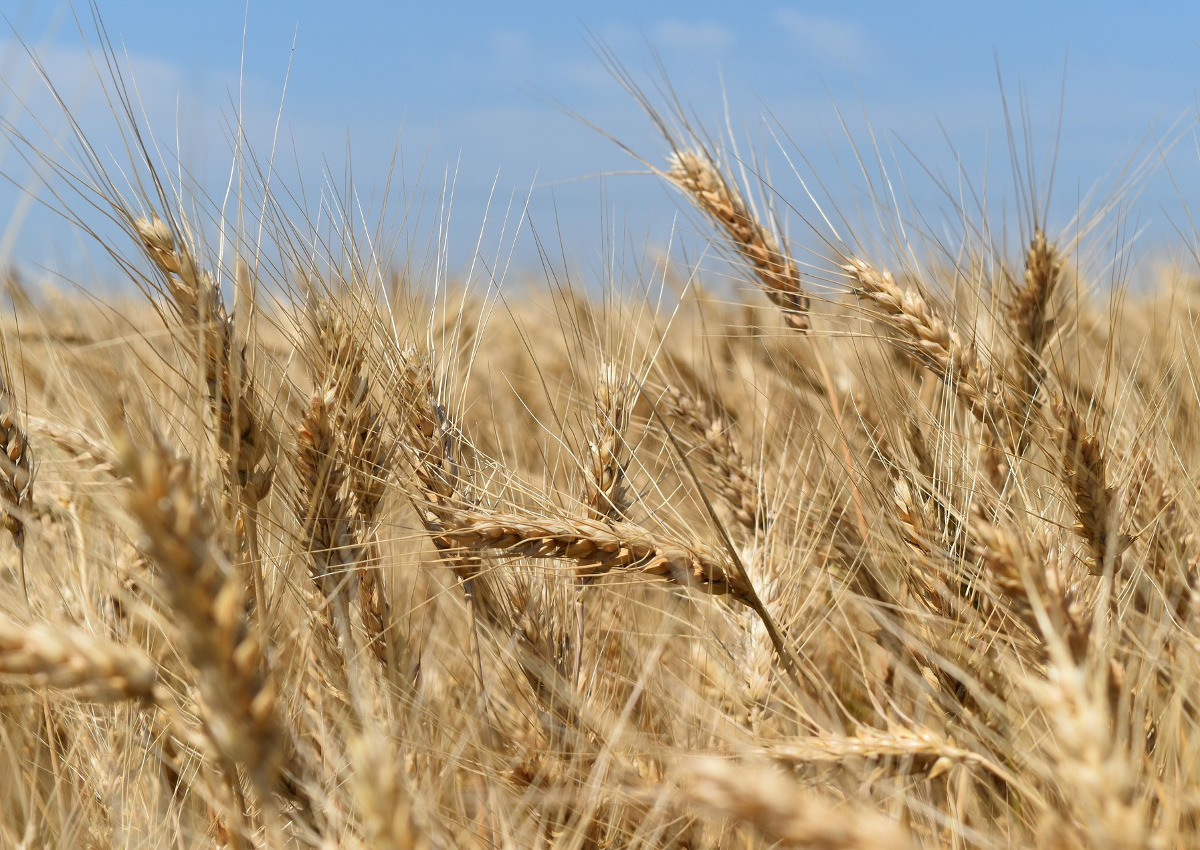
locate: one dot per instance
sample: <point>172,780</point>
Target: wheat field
<point>310,545</point>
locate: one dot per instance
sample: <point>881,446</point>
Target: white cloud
<point>78,76</point>
<point>829,39</point>
<point>692,35</point>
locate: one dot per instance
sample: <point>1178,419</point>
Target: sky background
<point>470,90</point>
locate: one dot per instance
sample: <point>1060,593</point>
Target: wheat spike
<point>698,175</point>
<point>606,491</point>
<point>1085,472</point>
<point>712,434</point>
<point>241,427</point>
<point>238,693</point>
<point>925,337</point>
<point>369,456</point>
<point>775,805</point>
<point>55,656</point>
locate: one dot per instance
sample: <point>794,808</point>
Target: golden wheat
<point>621,576</point>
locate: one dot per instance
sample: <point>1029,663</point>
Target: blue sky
<point>469,87</point>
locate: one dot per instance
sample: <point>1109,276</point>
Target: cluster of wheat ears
<point>892,557</point>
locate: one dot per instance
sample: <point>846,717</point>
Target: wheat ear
<point>238,693</point>
<point>16,478</point>
<point>929,751</point>
<point>931,343</point>
<point>712,435</point>
<point>243,433</point>
<point>606,492</point>
<point>434,447</point>
<point>382,796</point>
<point>1021,570</point>
<point>446,499</point>
<point>78,443</point>
<point>596,548</point>
<point>1031,323</point>
<point>772,802</point>
<point>1085,473</point>
<point>16,469</point>
<point>320,507</point>
<point>1029,315</point>
<point>242,430</point>
<point>461,529</point>
<point>369,459</point>
<point>42,655</point>
<point>705,183</point>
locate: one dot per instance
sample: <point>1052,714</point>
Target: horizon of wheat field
<point>857,529</point>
